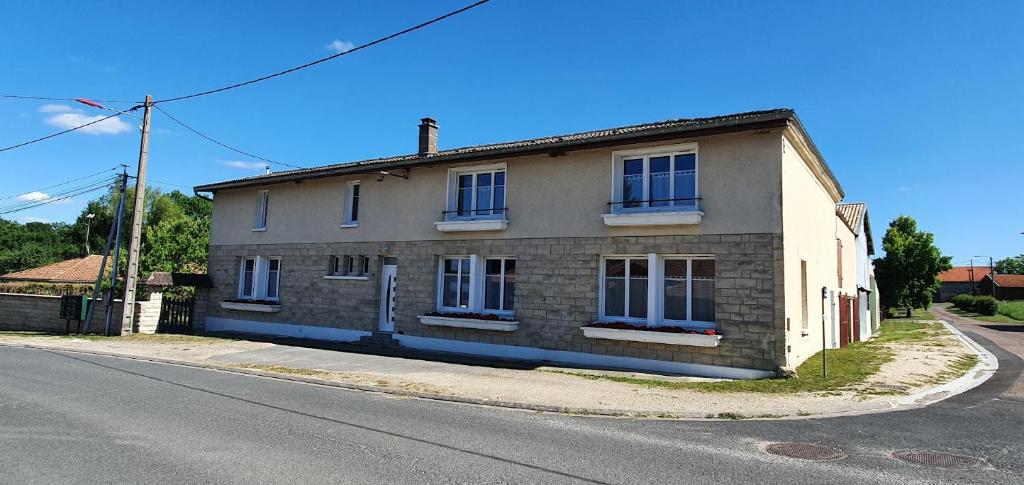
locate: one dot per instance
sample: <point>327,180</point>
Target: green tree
<point>1011,265</point>
<point>907,275</point>
<point>24,246</point>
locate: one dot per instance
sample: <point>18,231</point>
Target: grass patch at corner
<point>847,367</point>
<point>997,318</point>
<point>280,369</point>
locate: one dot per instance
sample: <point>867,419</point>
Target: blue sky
<point>915,105</point>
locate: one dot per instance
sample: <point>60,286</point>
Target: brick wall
<point>557,285</point>
<point>41,313</point>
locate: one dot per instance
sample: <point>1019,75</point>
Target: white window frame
<point>501,287</point>
<point>346,267</point>
<point>260,280</point>
<point>646,154</point>
<point>350,219</point>
<point>262,204</point>
<point>452,204</point>
<point>655,291</point>
<point>477,270</point>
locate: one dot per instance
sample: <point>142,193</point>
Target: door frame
<point>388,285</point>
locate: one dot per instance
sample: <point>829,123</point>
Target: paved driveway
<point>1009,337</point>
<point>70,418</point>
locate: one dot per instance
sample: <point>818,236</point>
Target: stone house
<point>698,246</point>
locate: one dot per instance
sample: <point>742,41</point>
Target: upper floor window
<point>262,201</point>
<point>259,278</point>
<point>476,192</point>
<point>351,204</point>
<point>657,178</point>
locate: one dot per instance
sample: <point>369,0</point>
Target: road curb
<point>986,367</point>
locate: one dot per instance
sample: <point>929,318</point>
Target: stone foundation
<point>557,286</point>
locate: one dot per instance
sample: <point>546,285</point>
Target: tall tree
<point>1011,265</point>
<point>908,274</point>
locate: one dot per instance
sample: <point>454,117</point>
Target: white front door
<point>388,274</point>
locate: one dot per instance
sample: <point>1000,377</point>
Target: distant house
<point>960,280</point>
<point>1007,287</point>
<point>72,271</point>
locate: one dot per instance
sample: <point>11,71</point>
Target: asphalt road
<point>73,418</point>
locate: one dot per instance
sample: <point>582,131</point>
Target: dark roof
<point>661,130</point>
<point>159,278</point>
<point>852,213</point>
<point>78,270</point>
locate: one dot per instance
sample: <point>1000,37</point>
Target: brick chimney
<point>428,136</point>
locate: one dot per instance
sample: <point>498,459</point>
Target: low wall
<point>41,313</point>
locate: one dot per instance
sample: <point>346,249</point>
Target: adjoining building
<point>71,271</point>
<point>1007,286</point>
<point>707,246</point>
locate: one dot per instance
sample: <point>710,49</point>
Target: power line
<point>328,58</point>
<point>197,132</point>
<point>69,130</point>
<point>54,197</point>
<point>84,190</point>
<point>46,98</point>
<point>60,184</point>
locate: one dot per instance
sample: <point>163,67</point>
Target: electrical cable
<point>328,58</point>
<point>69,130</point>
<point>51,200</point>
<point>208,138</point>
<point>60,184</point>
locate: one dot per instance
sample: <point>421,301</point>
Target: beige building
<point>697,246</point>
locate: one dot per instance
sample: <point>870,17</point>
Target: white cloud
<point>28,219</point>
<point>39,197</point>
<point>56,108</point>
<point>339,46</point>
<point>110,126</point>
<point>244,165</point>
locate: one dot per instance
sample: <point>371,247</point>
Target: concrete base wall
<point>41,313</point>
<point>557,291</point>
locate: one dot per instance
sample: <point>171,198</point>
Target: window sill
<point>653,218</point>
<point>693,340</point>
<point>345,277</point>
<point>251,307</point>
<point>349,225</point>
<point>499,325</point>
<point>472,225</point>
<point>259,229</point>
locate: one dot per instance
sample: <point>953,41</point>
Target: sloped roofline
<point>552,145</point>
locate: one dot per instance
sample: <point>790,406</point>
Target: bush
<point>964,302</point>
<point>986,305</point>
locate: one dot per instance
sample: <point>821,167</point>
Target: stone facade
<point>41,313</point>
<point>557,286</point>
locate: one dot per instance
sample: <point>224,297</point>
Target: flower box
<point>251,306</point>
<point>660,335</point>
<point>476,321</point>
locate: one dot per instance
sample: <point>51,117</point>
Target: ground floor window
<point>348,266</point>
<point>659,289</point>
<point>259,278</point>
<point>475,284</point>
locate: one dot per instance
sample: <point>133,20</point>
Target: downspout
<point>197,194</point>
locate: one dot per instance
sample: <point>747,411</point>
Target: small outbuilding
<point>1007,286</point>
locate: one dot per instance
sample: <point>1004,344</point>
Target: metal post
<point>136,237</point>
<point>972,276</point>
<point>117,257</point>
<point>992,274</point>
<point>103,262</point>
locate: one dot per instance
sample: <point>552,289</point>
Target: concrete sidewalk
<point>521,385</point>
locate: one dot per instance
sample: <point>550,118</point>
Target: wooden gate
<point>175,316</point>
<point>844,320</point>
<point>856,319</point>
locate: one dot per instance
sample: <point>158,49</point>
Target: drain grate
<point>937,459</point>
<point>805,451</point>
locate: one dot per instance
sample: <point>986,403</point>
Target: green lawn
<point>1012,309</point>
<point>847,366</point>
<point>997,318</point>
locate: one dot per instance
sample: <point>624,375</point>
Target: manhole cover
<point>935,458</point>
<point>805,451</point>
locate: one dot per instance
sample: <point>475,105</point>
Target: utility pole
<point>130,281</point>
